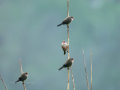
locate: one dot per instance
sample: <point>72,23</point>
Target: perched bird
<point>67,21</point>
<point>67,64</point>
<point>64,46</point>
<point>23,77</point>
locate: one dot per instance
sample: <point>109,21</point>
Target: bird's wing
<point>22,77</point>
<point>65,64</point>
<point>67,20</point>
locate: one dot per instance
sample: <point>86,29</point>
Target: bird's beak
<point>73,18</point>
<point>27,73</point>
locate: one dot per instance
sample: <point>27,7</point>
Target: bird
<point>67,21</point>
<point>64,46</point>
<point>67,64</point>
<point>23,77</point>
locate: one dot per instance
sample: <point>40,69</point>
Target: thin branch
<point>68,79</point>
<point>24,85</point>
<point>21,66</point>
<point>68,47</point>
<point>73,79</point>
<point>22,73</point>
<point>68,53</point>
<point>91,69</point>
<point>68,39</point>
<point>68,8</point>
<point>85,69</point>
<point>3,82</point>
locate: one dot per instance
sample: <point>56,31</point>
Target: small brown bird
<point>23,77</point>
<point>67,21</point>
<point>64,46</point>
<point>67,64</point>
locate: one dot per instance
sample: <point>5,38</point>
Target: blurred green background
<point>28,30</point>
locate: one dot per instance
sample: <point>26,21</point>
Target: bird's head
<point>63,42</point>
<point>26,73</point>
<point>71,17</point>
<point>71,59</point>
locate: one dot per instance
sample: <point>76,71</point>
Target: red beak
<point>63,42</point>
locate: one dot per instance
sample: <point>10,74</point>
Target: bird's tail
<point>60,68</point>
<point>17,81</point>
<point>64,52</point>
<point>59,24</point>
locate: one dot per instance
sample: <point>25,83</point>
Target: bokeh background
<point>28,30</point>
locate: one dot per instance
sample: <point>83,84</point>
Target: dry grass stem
<point>68,8</point>
<point>22,73</point>
<point>68,39</point>
<point>73,79</point>
<point>68,80</point>
<point>3,82</point>
<point>68,46</point>
<point>85,69</point>
<point>21,66</point>
<point>91,69</point>
<point>68,54</point>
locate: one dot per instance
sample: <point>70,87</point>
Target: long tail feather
<point>17,81</point>
<point>60,68</point>
<point>64,52</point>
<point>59,24</point>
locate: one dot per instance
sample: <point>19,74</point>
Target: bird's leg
<point>68,68</point>
<point>23,82</point>
<point>67,26</point>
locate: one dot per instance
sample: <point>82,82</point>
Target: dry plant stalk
<point>68,8</point>
<point>22,73</point>
<point>68,26</point>
<point>85,69</point>
<point>3,82</point>
<point>68,52</point>
<point>73,79</point>
<point>91,69</point>
<point>68,47</point>
<point>21,66</point>
<point>68,39</point>
<point>68,79</point>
